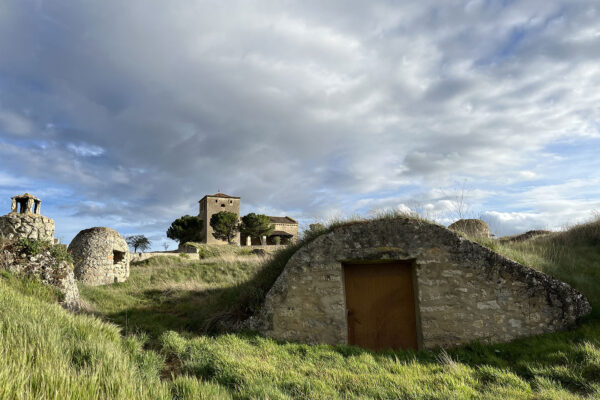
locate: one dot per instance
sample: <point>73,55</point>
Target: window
<point>118,256</point>
<point>230,201</point>
<point>222,205</point>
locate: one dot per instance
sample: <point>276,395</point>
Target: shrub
<point>33,247</point>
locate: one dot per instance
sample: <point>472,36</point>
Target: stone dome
<point>471,227</point>
<point>101,256</point>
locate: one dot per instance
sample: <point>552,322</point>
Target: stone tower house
<point>26,221</point>
<point>213,204</point>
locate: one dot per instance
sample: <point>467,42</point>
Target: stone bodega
<point>410,284</point>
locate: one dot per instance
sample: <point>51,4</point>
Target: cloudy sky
<point>124,114</point>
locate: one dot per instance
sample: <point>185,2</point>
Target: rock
<point>471,227</point>
<point>47,270</point>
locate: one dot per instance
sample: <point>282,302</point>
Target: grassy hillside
<point>171,293</point>
<point>49,353</point>
<point>155,343</point>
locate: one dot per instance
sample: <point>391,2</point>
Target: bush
<point>33,247</point>
<point>60,253</point>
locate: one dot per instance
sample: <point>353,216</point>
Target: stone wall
<point>144,256</point>
<point>463,291</point>
<point>27,226</point>
<point>289,228</point>
<point>45,268</point>
<point>97,254</point>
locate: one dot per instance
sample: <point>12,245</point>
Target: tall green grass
<point>158,343</point>
<point>49,353</point>
<point>170,293</point>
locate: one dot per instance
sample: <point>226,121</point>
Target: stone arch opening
<point>118,256</point>
<point>37,206</point>
<point>22,206</point>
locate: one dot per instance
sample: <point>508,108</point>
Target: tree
<point>186,229</point>
<point>138,242</point>
<point>314,230</point>
<point>256,225</point>
<point>225,225</point>
<point>316,227</point>
<point>165,245</point>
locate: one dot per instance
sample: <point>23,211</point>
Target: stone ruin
<point>406,283</point>
<point>101,256</point>
<point>471,227</point>
<point>25,220</point>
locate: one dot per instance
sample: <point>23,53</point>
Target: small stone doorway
<point>380,303</point>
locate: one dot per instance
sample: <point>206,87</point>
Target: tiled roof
<point>282,220</point>
<point>281,233</point>
<point>221,195</point>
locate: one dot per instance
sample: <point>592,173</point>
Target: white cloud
<point>85,150</point>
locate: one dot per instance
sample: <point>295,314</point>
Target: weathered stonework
<point>471,227</point>
<point>463,291</point>
<point>101,256</point>
<point>45,268</point>
<point>25,220</point>
<point>213,204</point>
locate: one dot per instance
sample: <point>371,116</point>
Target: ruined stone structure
<point>25,220</point>
<point>47,270</point>
<point>286,229</point>
<point>406,283</point>
<point>471,227</point>
<point>101,256</point>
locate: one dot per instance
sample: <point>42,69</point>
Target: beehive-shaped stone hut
<point>405,283</point>
<point>101,256</point>
<point>471,227</point>
<point>25,220</point>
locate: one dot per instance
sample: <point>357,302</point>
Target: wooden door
<point>381,305</point>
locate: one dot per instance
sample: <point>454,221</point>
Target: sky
<point>125,114</point>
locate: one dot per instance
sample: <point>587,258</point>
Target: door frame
<point>414,278</point>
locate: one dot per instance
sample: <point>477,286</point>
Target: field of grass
<point>155,336</point>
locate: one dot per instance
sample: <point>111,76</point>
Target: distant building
<point>213,204</point>
<point>285,232</point>
<point>286,228</point>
